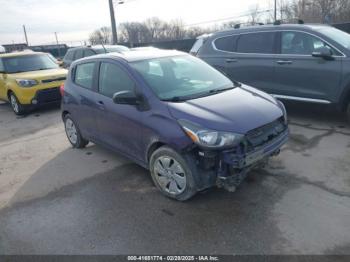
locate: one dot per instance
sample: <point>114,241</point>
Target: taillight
<point>62,89</point>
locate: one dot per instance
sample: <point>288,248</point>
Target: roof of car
<point>257,28</point>
<point>132,56</point>
<point>20,53</point>
<point>95,47</point>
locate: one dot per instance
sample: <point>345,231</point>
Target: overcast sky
<point>75,19</point>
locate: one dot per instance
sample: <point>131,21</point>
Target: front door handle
<point>231,60</point>
<point>284,62</point>
<point>101,105</point>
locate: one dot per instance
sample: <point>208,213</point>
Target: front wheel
<point>172,174</point>
<point>348,112</point>
<point>17,107</point>
<point>73,134</point>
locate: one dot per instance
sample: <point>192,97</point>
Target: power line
<point>227,18</point>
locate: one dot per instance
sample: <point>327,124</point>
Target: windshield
<point>181,77</point>
<point>26,63</point>
<point>337,35</point>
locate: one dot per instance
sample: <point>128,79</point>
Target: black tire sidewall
<point>190,171</point>
<point>81,142</point>
<point>21,109</point>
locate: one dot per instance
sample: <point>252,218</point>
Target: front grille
<point>264,134</point>
<point>48,95</point>
<point>46,81</point>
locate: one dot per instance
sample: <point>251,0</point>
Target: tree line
<point>155,29</point>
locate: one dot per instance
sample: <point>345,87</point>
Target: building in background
<point>15,47</point>
<point>57,51</point>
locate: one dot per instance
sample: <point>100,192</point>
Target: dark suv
<point>85,51</point>
<point>173,114</point>
<point>308,63</point>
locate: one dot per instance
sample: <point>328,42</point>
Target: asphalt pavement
<point>58,200</point>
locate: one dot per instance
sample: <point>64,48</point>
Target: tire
<point>73,133</point>
<point>172,174</point>
<point>17,107</point>
<point>348,112</point>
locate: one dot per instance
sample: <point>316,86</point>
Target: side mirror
<point>126,98</point>
<point>324,53</point>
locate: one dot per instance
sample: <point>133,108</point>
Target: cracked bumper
<point>241,161</point>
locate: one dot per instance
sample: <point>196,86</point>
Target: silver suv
<point>308,63</point>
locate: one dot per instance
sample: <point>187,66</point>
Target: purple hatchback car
<point>175,115</point>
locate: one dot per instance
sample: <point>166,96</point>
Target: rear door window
<point>84,75</point>
<point>2,68</point>
<point>88,52</point>
<point>78,54</point>
<point>226,43</point>
<point>113,79</point>
<point>69,55</point>
<point>257,43</point>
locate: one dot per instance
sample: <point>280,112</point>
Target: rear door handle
<point>284,62</point>
<point>231,60</point>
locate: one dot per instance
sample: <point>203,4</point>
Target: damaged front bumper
<point>229,168</point>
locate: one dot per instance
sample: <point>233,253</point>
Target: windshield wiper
<point>220,90</point>
<point>174,99</point>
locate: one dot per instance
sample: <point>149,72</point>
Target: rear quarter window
<point>84,74</point>
<point>226,43</point>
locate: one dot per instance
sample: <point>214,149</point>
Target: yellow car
<point>29,79</point>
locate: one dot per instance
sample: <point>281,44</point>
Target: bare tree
<point>229,24</point>
<point>320,11</point>
<point>101,36</point>
<point>254,14</point>
<point>156,28</point>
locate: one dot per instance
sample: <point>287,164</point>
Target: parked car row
<point>86,51</point>
<point>192,125</point>
<point>308,63</point>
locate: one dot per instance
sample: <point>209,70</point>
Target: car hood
<point>238,110</point>
<point>41,74</point>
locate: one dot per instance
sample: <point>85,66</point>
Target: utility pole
<point>114,27</point>
<point>25,34</point>
<point>275,10</point>
<point>58,45</point>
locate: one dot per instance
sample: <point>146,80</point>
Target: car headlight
<point>210,138</point>
<point>26,82</point>
<point>281,105</point>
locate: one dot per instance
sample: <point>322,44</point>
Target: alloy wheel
<point>71,131</point>
<point>14,103</point>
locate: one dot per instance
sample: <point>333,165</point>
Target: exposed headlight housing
<point>281,105</point>
<point>26,82</point>
<point>210,138</point>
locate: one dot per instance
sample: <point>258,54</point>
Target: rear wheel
<point>172,174</point>
<point>17,107</point>
<point>73,134</point>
